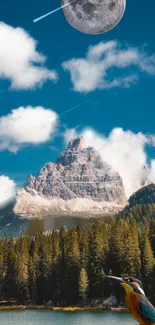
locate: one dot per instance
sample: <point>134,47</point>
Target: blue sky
<point>129,108</point>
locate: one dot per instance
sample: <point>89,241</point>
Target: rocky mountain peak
<point>77,144</point>
<point>78,152</point>
<point>79,172</point>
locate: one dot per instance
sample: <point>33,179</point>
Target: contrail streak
<point>51,12</point>
<point>71,109</point>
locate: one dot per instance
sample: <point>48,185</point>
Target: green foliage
<point>70,264</point>
<point>83,284</point>
<point>144,195</point>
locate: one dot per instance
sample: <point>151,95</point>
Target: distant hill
<point>141,205</point>
<point>144,195</point>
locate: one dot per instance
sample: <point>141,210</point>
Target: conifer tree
<point>59,266</point>
<point>83,284</point>
<point>10,278</point>
<point>147,261</point>
<point>72,259</point>
<point>32,281</point>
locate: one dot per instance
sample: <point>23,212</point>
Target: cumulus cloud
<point>152,171</point>
<point>7,190</point>
<point>69,135</point>
<point>125,151</point>
<point>153,140</point>
<point>20,62</point>
<point>95,71</point>
<point>27,125</point>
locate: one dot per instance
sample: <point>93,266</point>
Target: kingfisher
<point>137,303</point>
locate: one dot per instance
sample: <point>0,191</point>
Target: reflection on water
<point>60,318</point>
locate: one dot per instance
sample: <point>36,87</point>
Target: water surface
<point>64,318</point>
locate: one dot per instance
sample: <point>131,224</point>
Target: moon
<point>94,16</point>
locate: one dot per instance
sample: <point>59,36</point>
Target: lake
<point>64,318</point>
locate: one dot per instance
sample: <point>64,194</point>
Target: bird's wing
<point>146,309</point>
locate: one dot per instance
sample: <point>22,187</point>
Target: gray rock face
<point>112,301</point>
<point>78,172</point>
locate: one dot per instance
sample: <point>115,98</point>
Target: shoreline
<point>60,309</point>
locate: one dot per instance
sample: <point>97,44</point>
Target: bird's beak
<point>120,280</point>
<point>123,283</point>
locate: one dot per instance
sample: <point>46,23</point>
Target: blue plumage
<point>146,309</point>
<point>138,304</point>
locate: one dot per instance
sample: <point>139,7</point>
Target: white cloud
<point>95,70</point>
<point>69,135</point>
<point>152,171</point>
<point>29,125</point>
<point>153,140</point>
<point>147,64</point>
<point>125,151</point>
<point>20,62</point>
<point>7,190</point>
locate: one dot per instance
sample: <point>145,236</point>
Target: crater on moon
<point>94,16</point>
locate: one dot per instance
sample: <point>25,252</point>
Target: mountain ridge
<point>78,184</point>
<point>77,181</point>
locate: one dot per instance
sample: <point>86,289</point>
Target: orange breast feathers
<point>132,302</point>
